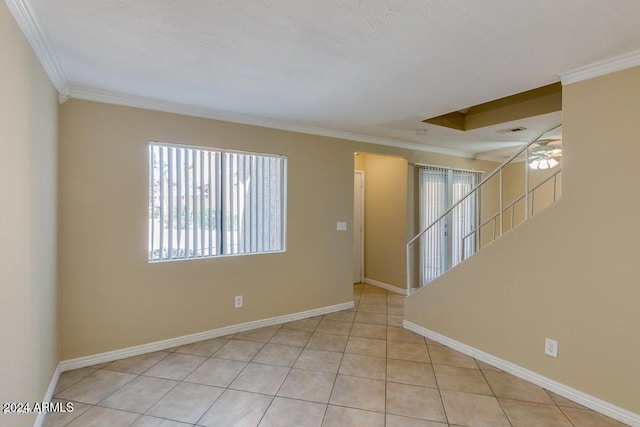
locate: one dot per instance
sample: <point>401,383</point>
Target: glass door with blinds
<point>442,246</point>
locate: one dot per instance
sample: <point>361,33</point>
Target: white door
<point>358,227</point>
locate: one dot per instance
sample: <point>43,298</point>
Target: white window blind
<point>441,247</point>
<point>209,202</point>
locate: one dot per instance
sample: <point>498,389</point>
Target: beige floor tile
<point>358,365</point>
<point>319,360</point>
<point>258,335</point>
<point>396,299</point>
<point>400,421</point>
<point>486,366</point>
<point>148,421</point>
<point>416,402</point>
<point>508,386</point>
<point>407,372</point>
<point>341,316</point>
<point>307,325</point>
<point>96,387</point>
<point>59,419</point>
<point>186,402</point>
<point>338,416</point>
<point>236,408</point>
<point>473,410</point>
<point>203,348</point>
<point>394,309</point>
<point>258,378</point>
<point>393,320</point>
<point>333,328</point>
<point>588,418</point>
<point>216,372</point>
<point>432,342</point>
<point>395,333</point>
<point>373,290</point>
<point>359,393</point>
<point>369,331</point>
<point>137,364</point>
<point>278,354</point>
<point>293,413</point>
<point>291,337</point>
<point>69,378</point>
<point>563,401</point>
<point>314,386</point>
<point>100,417</point>
<point>407,351</point>
<point>441,355</point>
<point>175,366</point>
<point>373,299</point>
<point>366,346</point>
<point>461,379</point>
<point>139,395</point>
<point>529,414</point>
<point>373,307</point>
<point>327,342</point>
<point>371,318</point>
<point>239,350</point>
<point>99,365</point>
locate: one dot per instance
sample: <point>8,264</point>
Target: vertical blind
<point>441,247</point>
<point>206,202</point>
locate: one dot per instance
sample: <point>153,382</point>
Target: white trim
<point>397,290</point>
<point>600,68</point>
<point>48,395</point>
<point>578,396</point>
<point>110,356</point>
<point>98,95</point>
<point>362,209</point>
<point>28,22</point>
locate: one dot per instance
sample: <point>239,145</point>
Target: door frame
<point>362,209</point>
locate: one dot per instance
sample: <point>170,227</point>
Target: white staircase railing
<point>493,217</point>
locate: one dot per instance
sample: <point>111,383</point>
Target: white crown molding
<point>97,95</point>
<point>600,68</point>
<point>570,393</point>
<point>26,18</point>
<point>81,362</point>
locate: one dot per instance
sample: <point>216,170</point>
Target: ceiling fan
<point>542,156</point>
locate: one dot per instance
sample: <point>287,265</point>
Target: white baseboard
<point>582,398</point>
<point>48,395</point>
<point>397,290</point>
<point>81,362</point>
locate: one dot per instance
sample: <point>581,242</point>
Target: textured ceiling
<point>374,67</point>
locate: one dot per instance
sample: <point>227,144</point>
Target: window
<point>209,202</point>
<point>442,246</point>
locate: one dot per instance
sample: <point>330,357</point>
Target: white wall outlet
<point>550,347</point>
<point>238,301</point>
<point>341,226</point>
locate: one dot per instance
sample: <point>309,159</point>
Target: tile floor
<point>350,368</point>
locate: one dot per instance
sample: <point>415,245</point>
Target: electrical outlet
<point>238,301</point>
<point>550,347</point>
<point>341,226</point>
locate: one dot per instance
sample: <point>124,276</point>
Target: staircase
<point>504,198</point>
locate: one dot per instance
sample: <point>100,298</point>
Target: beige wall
<point>112,298</point>
<point>385,218</point>
<point>570,273</point>
<point>543,196</point>
<point>28,135</point>
<point>391,209</point>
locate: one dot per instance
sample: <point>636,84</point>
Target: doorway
<point>358,226</point>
